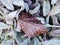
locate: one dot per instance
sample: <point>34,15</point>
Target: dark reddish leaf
<point>29,27</point>
<point>27,18</point>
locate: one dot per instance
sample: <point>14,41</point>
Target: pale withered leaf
<point>55,10</point>
<point>35,10</point>
<point>30,25</point>
<point>7,4</point>
<point>46,7</point>
<point>3,26</point>
<point>19,3</point>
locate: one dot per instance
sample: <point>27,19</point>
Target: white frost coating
<point>11,15</point>
<point>53,2</point>
<point>3,26</point>
<point>7,4</point>
<point>46,7</point>
<point>55,10</point>
<point>18,3</point>
<point>26,7</point>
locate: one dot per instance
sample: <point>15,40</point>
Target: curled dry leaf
<point>35,10</point>
<point>26,7</point>
<point>11,15</point>
<point>30,28</point>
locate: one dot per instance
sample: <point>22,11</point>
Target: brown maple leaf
<point>30,27</point>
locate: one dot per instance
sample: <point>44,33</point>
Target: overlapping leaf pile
<point>28,22</point>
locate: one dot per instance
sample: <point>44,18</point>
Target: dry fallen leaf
<point>30,28</point>
<point>8,4</point>
<point>46,7</point>
<point>18,2</point>
<point>55,10</point>
<point>35,10</point>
